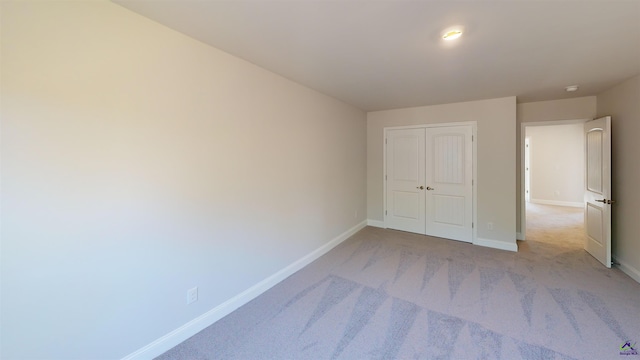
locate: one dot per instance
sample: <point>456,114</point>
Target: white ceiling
<point>388,54</point>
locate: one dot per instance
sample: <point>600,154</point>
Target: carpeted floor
<point>385,294</point>
<point>558,225</point>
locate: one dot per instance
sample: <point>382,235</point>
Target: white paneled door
<point>405,180</point>
<point>449,190</point>
<point>429,188</point>
<point>597,195</point>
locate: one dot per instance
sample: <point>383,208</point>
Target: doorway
<point>553,182</point>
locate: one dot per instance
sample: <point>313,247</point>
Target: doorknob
<point>605,201</point>
<point>420,187</point>
<point>430,188</point>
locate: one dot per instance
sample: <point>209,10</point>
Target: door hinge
<point>385,177</point>
<point>385,212</point>
<point>385,141</point>
<point>472,225</point>
<point>471,137</point>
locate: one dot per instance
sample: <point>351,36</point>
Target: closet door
<point>449,187</point>
<point>405,190</point>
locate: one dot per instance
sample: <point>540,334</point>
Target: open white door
<point>597,195</point>
<point>405,180</point>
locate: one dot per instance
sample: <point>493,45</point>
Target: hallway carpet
<point>385,294</point>
<point>558,225</point>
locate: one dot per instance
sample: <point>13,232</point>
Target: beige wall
<point>554,110</point>
<point>582,108</point>
<point>557,164</point>
<point>496,159</point>
<point>138,163</point>
<point>623,104</point>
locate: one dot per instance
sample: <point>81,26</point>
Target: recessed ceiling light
<point>452,32</point>
<point>571,88</point>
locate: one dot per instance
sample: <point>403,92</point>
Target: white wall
<point>138,163</point>
<point>557,164</point>
<point>581,108</point>
<point>623,104</point>
<point>496,159</point>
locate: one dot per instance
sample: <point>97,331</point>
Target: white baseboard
<point>557,203</point>
<point>628,269</point>
<point>198,324</point>
<point>375,223</point>
<point>496,244</point>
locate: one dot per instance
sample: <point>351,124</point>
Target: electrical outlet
<point>192,295</point>
<point>489,226</point>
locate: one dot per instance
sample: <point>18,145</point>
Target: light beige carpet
<point>558,225</point>
<point>385,294</point>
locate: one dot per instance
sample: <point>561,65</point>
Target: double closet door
<point>429,181</point>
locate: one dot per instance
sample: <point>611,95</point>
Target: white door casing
<point>597,194</point>
<point>405,202</point>
<point>449,189</point>
<point>429,181</point>
<point>527,169</point>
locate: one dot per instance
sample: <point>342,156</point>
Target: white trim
<point>523,198</point>
<point>196,325</point>
<point>496,244</point>
<point>525,165</point>
<point>628,269</point>
<point>474,186</point>
<point>519,236</point>
<point>375,223</point>
<point>384,178</point>
<point>558,203</point>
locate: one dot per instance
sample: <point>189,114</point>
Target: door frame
<point>527,172</point>
<point>523,132</point>
<point>474,149</point>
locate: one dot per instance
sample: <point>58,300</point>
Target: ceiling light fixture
<point>452,33</point>
<point>571,88</point>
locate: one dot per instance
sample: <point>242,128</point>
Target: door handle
<point>430,188</point>
<point>420,187</point>
<point>605,201</point>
